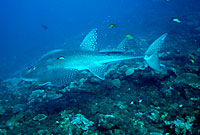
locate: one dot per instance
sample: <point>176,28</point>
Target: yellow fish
<point>36,84</point>
<point>111,26</point>
<point>176,20</point>
<point>192,61</point>
<point>61,58</point>
<point>128,36</point>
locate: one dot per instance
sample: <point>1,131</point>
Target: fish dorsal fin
<point>123,45</point>
<point>89,43</point>
<point>99,70</point>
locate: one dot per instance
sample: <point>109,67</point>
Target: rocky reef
<point>132,99</point>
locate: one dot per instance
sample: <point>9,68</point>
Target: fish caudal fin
<point>89,43</point>
<point>156,45</point>
<point>153,61</point>
<point>151,55</point>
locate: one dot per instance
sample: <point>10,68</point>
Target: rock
<point>3,132</point>
<point>2,110</point>
<point>130,71</point>
<point>65,114</point>
<point>43,132</point>
<point>19,108</point>
<point>53,96</point>
<point>107,121</point>
<point>13,121</point>
<point>94,79</point>
<point>190,79</point>
<point>116,83</point>
<point>198,50</point>
<point>73,85</point>
<point>40,117</point>
<point>124,67</point>
<point>81,122</point>
<point>37,95</point>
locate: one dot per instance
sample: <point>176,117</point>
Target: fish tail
<point>151,55</point>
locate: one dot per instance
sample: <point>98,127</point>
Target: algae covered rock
<point>14,121</point>
<point>12,83</point>
<point>190,79</point>
<point>130,71</point>
<point>3,132</point>
<point>53,95</point>
<point>40,117</point>
<point>43,132</point>
<point>116,83</point>
<point>81,122</point>
<point>76,122</point>
<point>19,108</point>
<point>2,110</point>
<point>182,126</point>
<point>37,96</point>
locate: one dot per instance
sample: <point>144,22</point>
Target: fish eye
<point>31,69</point>
<point>60,58</point>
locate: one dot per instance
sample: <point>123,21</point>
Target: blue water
<point>23,40</point>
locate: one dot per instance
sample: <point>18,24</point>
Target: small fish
<point>192,61</point>
<point>44,26</point>
<point>36,84</point>
<point>176,20</point>
<point>61,58</point>
<point>128,36</point>
<point>111,26</point>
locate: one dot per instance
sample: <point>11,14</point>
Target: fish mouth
<point>35,80</point>
<point>23,77</point>
<point>28,79</point>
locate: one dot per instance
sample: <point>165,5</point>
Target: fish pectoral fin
<point>89,43</point>
<point>99,70</point>
<point>57,77</point>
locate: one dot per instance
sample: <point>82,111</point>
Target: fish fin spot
<point>156,45</point>
<point>99,70</point>
<point>57,77</point>
<point>89,43</point>
<point>123,45</point>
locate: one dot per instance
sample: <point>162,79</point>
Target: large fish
<point>59,67</point>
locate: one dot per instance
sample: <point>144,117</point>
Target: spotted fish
<point>60,67</point>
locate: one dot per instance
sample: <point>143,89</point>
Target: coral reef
<point>133,99</point>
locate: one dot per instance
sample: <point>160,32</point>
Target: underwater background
<point>133,99</point>
<point>23,39</point>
